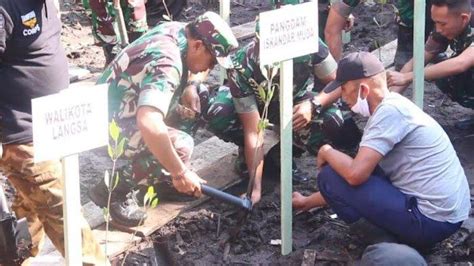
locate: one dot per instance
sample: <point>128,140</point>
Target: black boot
<point>124,208</point>
<point>127,212</point>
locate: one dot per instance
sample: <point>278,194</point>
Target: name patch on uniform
<point>31,23</point>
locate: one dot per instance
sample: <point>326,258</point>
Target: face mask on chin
<point>362,106</point>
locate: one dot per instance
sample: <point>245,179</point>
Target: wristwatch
<point>316,106</point>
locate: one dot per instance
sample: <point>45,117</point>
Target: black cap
<point>355,66</point>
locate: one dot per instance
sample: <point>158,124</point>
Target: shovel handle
<point>244,203</point>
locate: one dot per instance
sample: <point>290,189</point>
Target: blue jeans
<point>382,204</point>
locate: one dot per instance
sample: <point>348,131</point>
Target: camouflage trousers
<point>224,122</point>
<point>39,199</point>
<point>103,18</point>
<point>459,88</point>
<point>142,163</point>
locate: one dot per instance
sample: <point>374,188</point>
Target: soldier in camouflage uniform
<point>103,17</point>
<point>154,104</point>
<point>454,76</point>
<point>234,113</point>
<point>340,10</point>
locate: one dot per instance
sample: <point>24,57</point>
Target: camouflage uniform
<point>150,69</point>
<point>460,87</point>
<point>405,26</point>
<point>39,199</point>
<point>103,17</point>
<point>152,72</point>
<point>241,97</point>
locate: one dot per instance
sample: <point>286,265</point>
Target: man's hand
<point>302,113</point>
<point>300,202</point>
<point>321,160</point>
<point>398,79</point>
<point>190,100</point>
<point>256,195</point>
<point>188,182</point>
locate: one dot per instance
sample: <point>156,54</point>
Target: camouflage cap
<point>217,36</point>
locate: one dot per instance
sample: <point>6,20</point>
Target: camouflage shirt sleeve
<point>344,7</point>
<point>161,76</point>
<point>436,43</point>
<point>245,62</point>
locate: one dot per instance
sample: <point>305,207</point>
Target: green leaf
<point>154,203</point>
<point>116,180</point>
<point>114,130</point>
<point>265,123</point>
<point>120,147</point>
<point>261,93</point>
<point>106,178</point>
<point>149,195</point>
<point>146,199</point>
<point>105,211</point>
<point>111,152</point>
<point>260,126</point>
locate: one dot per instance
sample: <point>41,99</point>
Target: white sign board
<point>288,32</point>
<point>69,122</point>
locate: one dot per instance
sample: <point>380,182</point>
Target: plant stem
<point>111,182</point>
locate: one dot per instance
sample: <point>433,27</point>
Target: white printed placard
<point>288,32</point>
<point>69,122</point>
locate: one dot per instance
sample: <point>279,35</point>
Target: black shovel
<point>243,203</point>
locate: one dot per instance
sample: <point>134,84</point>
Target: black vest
<point>33,63</point>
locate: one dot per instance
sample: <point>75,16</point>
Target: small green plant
<point>265,92</point>
<point>115,149</point>
<point>150,200</point>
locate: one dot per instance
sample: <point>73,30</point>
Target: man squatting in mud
<point>405,178</point>
<point>454,23</point>
<point>236,110</point>
<point>149,98</point>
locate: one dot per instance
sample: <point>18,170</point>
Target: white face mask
<point>362,106</point>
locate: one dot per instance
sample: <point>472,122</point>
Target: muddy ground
<point>195,237</point>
